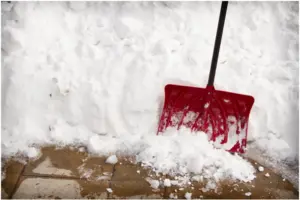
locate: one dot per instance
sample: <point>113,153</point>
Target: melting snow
<point>261,169</point>
<point>248,194</point>
<point>112,159</point>
<point>109,190</point>
<point>188,195</point>
<point>167,183</point>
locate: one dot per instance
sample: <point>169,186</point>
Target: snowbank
<point>87,72</point>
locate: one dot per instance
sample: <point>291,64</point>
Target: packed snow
<point>260,168</point>
<point>188,195</point>
<point>109,190</point>
<point>174,182</point>
<point>173,196</point>
<point>93,74</point>
<point>112,159</point>
<point>248,194</point>
<point>174,153</point>
<point>167,182</point>
<point>153,183</point>
<point>33,152</point>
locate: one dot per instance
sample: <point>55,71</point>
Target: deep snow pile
<point>74,71</point>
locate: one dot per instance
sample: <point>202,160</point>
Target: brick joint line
<point>53,176</point>
<point>17,183</point>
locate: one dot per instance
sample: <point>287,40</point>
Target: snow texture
<point>188,195</point>
<point>109,190</point>
<point>174,182</point>
<point>167,182</point>
<point>33,152</point>
<point>153,183</point>
<point>248,194</point>
<point>93,74</point>
<point>260,168</point>
<point>112,159</point>
<point>173,196</point>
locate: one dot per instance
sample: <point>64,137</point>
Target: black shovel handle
<point>218,39</point>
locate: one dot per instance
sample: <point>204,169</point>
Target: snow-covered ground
<point>93,73</point>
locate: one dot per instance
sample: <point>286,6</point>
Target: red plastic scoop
<point>222,115</point>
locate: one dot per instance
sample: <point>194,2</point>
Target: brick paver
<point>13,171</point>
<point>68,173</point>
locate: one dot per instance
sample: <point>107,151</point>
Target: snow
<point>153,183</point>
<point>109,190</point>
<point>33,152</point>
<point>112,159</point>
<point>173,153</point>
<point>210,186</point>
<point>188,195</point>
<point>260,168</point>
<point>198,178</point>
<point>167,182</point>
<point>81,149</point>
<point>173,196</point>
<point>93,73</point>
<point>174,182</point>
<point>248,194</point>
<point>267,175</point>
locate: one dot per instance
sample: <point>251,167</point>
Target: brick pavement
<point>69,173</point>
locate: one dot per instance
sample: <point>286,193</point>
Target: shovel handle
<point>218,39</point>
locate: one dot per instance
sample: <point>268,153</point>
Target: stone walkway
<point>69,173</point>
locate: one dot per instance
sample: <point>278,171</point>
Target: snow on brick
<point>167,183</point>
<point>188,195</point>
<point>109,190</point>
<point>248,194</point>
<point>260,168</point>
<point>112,159</point>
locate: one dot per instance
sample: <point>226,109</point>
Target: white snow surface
<point>93,73</point>
<point>260,168</point>
<point>112,159</point>
<point>167,182</point>
<point>248,194</point>
<point>188,195</point>
<point>153,183</point>
<point>33,152</point>
<point>109,190</point>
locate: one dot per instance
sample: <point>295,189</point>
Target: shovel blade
<point>222,115</point>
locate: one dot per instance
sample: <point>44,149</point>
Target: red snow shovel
<point>222,115</point>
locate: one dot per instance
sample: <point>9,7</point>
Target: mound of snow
<point>260,168</point>
<point>248,194</point>
<point>112,159</point>
<point>109,190</point>
<point>181,152</point>
<point>188,195</point>
<point>153,183</point>
<point>167,182</point>
<point>93,73</point>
